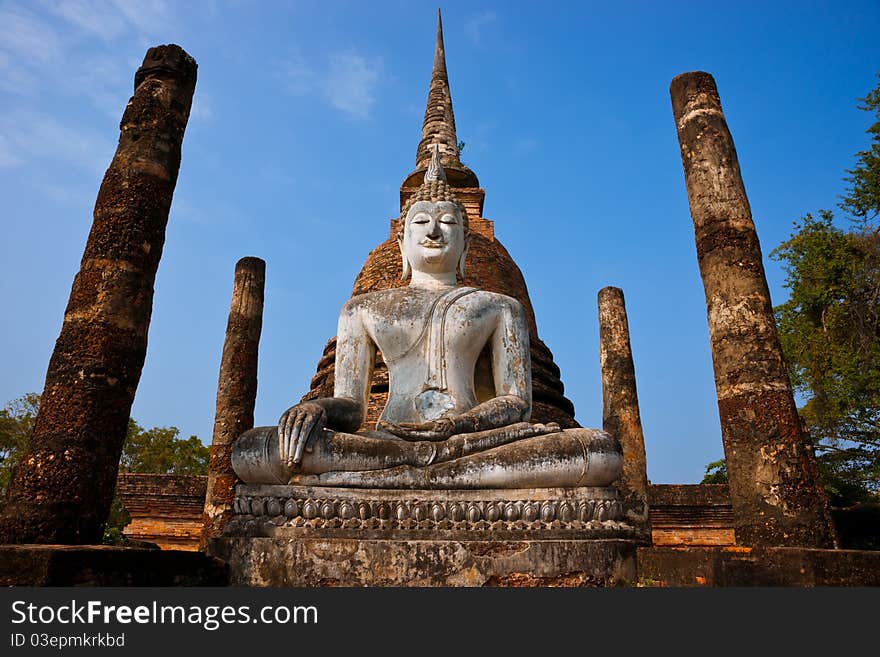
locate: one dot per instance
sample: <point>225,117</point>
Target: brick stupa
<point>488,266</point>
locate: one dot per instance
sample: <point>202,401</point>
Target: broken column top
<point>695,90</point>
<point>171,60</point>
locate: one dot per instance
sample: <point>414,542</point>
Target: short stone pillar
<point>620,401</point>
<point>236,391</point>
<point>62,489</point>
<point>774,487</point>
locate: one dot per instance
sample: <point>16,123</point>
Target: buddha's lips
<point>432,244</point>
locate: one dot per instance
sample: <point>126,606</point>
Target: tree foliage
<point>830,334</point>
<point>863,198</point>
<point>159,450</point>
<point>830,331</point>
<point>716,473</point>
<point>16,424</point>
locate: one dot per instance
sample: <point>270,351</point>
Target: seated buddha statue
<point>439,429</point>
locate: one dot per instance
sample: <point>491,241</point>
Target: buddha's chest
<point>456,332</point>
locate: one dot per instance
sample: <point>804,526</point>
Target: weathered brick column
<point>236,391</point>
<point>774,488</point>
<point>620,400</point>
<point>62,490</point>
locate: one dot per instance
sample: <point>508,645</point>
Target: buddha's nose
<point>434,230</point>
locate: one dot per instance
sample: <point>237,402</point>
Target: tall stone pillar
<point>62,490</point>
<point>620,400</point>
<point>774,487</point>
<point>236,391</point>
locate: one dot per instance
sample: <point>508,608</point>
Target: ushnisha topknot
<point>435,189</point>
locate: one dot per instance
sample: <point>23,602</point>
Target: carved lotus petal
<point>310,509</point>
<point>456,512</point>
<point>291,508</point>
<point>548,511</point>
<point>273,507</point>
<point>511,512</point>
<point>586,510</point>
<point>493,513</point>
<point>473,513</point>
<point>529,512</point>
<point>437,512</point>
<point>328,510</point>
<point>566,512</point>
<point>364,510</point>
<point>346,510</point>
<point>419,512</point>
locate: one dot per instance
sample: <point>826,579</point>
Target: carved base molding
<point>265,510</point>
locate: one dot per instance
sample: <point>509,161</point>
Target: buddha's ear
<point>467,243</point>
<point>405,269</point>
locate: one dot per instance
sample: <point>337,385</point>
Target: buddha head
<point>435,231</point>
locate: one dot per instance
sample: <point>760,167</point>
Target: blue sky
<point>306,120</point>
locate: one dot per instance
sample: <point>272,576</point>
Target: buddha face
<point>433,237</point>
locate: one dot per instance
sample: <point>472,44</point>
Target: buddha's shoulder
<point>495,299</point>
<point>378,300</point>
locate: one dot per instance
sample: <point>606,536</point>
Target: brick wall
<point>165,509</point>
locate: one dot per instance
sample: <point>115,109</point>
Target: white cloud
<point>26,37</point>
<point>474,26</point>
<point>351,83</point>
<point>299,77</point>
<point>347,81</point>
<point>97,19</point>
<point>28,138</point>
<point>146,16</point>
<point>28,48</point>
<point>523,146</point>
<point>8,159</point>
<point>112,19</point>
<point>104,80</point>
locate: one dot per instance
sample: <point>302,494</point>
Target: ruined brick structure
<point>774,482</point>
<point>488,266</point>
<point>167,510</point>
<point>164,509</point>
<point>62,489</point>
<point>236,390</point>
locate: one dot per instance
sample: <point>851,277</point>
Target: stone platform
<point>107,565</point>
<point>303,536</point>
<point>767,566</point>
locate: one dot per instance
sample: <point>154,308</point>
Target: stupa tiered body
<point>421,457</point>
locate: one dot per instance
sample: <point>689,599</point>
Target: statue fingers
<point>283,436</point>
<point>312,424</point>
<point>417,426</point>
<point>299,439</point>
<point>390,427</point>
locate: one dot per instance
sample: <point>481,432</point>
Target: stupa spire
<point>439,125</point>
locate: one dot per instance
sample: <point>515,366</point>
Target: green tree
<point>830,334</point>
<point>16,424</point>
<point>830,330</point>
<point>863,198</point>
<point>159,450</point>
<point>154,451</point>
<point>716,473</point>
